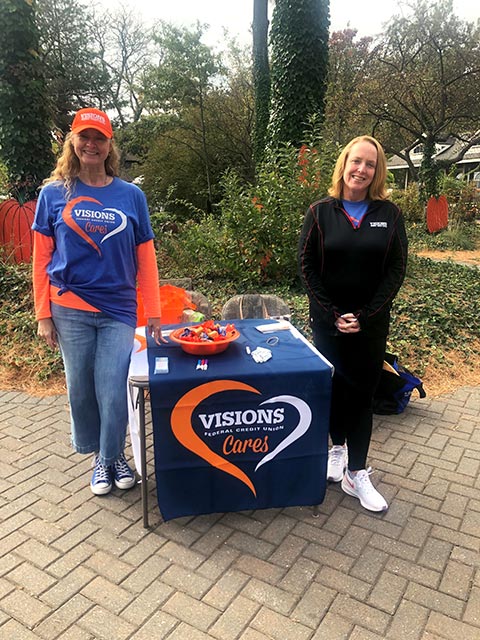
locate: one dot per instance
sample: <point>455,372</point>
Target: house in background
<point>446,153</point>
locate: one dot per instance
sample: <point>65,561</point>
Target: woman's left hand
<point>348,323</point>
<point>154,329</point>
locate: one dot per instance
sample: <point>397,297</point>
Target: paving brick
<point>235,618</point>
<point>107,595</point>
<point>31,579</point>
<point>394,547</point>
<point>333,627</point>
<point>387,592</point>
<point>276,599</point>
<point>157,627</point>
<point>279,627</point>
<point>105,625</point>
<point>288,552</point>
<point>174,552</point>
<point>109,567</point>
<point>145,574</point>
<point>211,540</point>
<point>354,541</point>
<point>360,613</point>
<point>313,605</point>
<point>147,603</point>
<point>434,600</point>
<point>369,565</point>
<point>219,562</point>
<point>198,614</point>
<point>299,576</point>
<point>456,538</point>
<point>329,557</point>
<point>186,631</point>
<point>225,589</point>
<point>472,611</point>
<point>12,629</point>
<point>456,580</point>
<point>67,587</point>
<point>26,609</point>
<point>260,569</point>
<point>408,622</point>
<point>62,618</point>
<point>344,583</point>
<point>446,627</point>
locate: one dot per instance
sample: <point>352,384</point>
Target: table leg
<point>143,454</point>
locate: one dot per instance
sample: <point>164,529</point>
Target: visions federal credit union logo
<point>181,422</point>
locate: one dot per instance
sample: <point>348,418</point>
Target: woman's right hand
<point>46,330</point>
<point>347,323</point>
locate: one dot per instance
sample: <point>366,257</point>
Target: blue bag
<point>395,388</point>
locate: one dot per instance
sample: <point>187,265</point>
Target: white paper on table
<point>278,325</point>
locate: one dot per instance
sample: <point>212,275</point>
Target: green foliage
<point>254,241</point>
<point>409,202</point>
<point>299,59</point>
<point>73,72</point>
<point>436,311</point>
<point>21,350</point>
<point>203,122</point>
<point>429,171</point>
<point>25,143</point>
<point>463,199</point>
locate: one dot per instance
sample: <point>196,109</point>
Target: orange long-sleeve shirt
<point>44,293</point>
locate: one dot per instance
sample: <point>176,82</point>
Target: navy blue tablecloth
<point>240,435</point>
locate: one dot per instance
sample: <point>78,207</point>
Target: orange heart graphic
<point>70,222</point>
<point>181,421</point>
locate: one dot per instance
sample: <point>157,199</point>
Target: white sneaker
<point>360,487</point>
<point>337,461</point>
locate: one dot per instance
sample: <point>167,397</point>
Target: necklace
<point>93,183</point>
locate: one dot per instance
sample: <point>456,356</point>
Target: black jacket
<point>347,269</point>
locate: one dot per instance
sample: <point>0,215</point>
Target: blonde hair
<point>67,168</point>
<point>377,189</point>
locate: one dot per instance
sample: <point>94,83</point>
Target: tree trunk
<point>261,77</point>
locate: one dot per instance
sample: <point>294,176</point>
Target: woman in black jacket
<point>352,260</point>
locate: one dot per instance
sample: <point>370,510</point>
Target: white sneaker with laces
<point>337,461</point>
<point>359,486</point>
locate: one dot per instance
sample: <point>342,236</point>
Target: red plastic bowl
<point>205,348</point>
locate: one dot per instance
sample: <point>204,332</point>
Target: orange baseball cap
<point>91,118</point>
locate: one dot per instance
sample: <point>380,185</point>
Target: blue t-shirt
<point>96,233</point>
<point>356,210</point>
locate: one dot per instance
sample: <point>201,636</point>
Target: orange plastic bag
<point>173,301</point>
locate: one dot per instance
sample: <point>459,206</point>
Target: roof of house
<point>445,151</point>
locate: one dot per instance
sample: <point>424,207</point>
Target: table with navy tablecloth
<point>240,435</point>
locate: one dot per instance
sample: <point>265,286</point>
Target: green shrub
<point>409,202</point>
<point>254,240</point>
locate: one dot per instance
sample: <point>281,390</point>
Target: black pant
<point>358,361</point>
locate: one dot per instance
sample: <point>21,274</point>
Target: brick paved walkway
<point>77,567</point>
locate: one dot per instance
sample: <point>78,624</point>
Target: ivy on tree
<point>25,139</point>
<point>298,68</point>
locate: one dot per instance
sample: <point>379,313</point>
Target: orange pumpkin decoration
<point>16,235</point>
<point>437,214</point>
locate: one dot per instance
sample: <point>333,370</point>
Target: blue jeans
<point>96,354</point>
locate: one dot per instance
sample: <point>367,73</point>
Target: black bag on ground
<point>395,388</point>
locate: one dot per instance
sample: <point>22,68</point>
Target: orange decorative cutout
<point>16,234</point>
<point>437,214</point>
